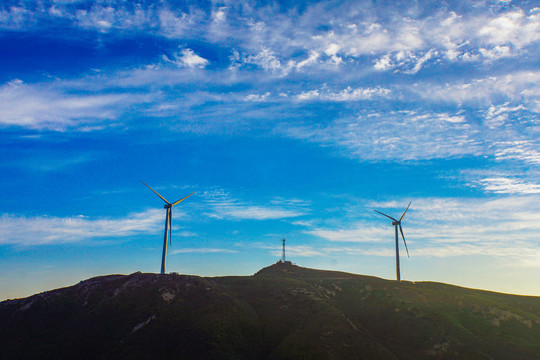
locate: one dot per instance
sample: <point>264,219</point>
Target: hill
<point>282,312</point>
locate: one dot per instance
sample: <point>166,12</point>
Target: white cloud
<point>332,49</point>
<point>403,44</point>
<point>187,58</point>
<point>308,95</point>
<point>282,42</point>
<point>300,250</point>
<point>346,250</point>
<point>47,230</point>
<point>503,130</point>
<point>359,233</point>
<point>312,59</point>
<point>291,250</point>
<point>404,61</point>
<point>159,76</point>
<point>15,17</point>
<point>522,150</point>
<point>203,251</point>
<point>278,65</point>
<point>232,210</point>
<point>519,179</point>
<point>521,85</point>
<point>384,63</point>
<point>442,227</point>
<point>357,41</point>
<point>268,60</point>
<point>512,28</point>
<point>499,115</point>
<point>347,94</point>
<point>222,206</point>
<point>105,17</point>
<point>302,223</point>
<point>496,52</point>
<point>257,97</point>
<point>406,44</point>
<point>421,61</point>
<point>45,107</point>
<point>396,136</point>
<point>473,211</point>
<point>174,25</point>
<point>504,185</point>
<point>220,14</point>
<point>527,256</point>
<point>192,60</point>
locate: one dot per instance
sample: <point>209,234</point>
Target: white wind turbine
<point>168,224</point>
<point>397,223</point>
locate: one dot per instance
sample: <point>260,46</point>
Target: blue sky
<point>289,119</point>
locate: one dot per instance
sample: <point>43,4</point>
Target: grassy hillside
<point>282,312</point>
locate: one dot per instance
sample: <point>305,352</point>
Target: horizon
<point>268,266</point>
<point>289,120</point>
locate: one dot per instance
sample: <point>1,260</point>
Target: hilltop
<point>282,312</point>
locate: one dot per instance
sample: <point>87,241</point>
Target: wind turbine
<point>397,223</point>
<point>168,224</point>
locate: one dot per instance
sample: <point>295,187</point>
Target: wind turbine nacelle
<point>395,223</point>
<point>166,206</point>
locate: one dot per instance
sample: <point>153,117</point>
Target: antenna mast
<point>283,251</point>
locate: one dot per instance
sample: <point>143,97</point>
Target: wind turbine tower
<point>168,224</point>
<point>397,223</point>
<point>283,251</point>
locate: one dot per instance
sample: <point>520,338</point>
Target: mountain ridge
<point>281,312</point>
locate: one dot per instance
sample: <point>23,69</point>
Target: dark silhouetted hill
<point>282,312</point>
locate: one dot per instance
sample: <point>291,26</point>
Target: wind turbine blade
<point>402,216</point>
<point>385,215</point>
<point>403,237</point>
<point>182,199</point>
<point>162,198</point>
<point>170,226</point>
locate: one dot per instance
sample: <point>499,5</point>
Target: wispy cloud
<point>325,34</point>
<point>47,230</point>
<point>404,135</point>
<point>512,27</point>
<point>504,185</point>
<point>348,94</point>
<point>505,226</point>
<point>203,251</point>
<point>45,107</point>
<point>404,61</point>
<point>469,210</point>
<point>188,58</point>
<point>520,85</point>
<point>503,132</point>
<point>518,180</point>
<point>252,212</point>
<point>105,18</point>
<point>257,97</point>
<point>292,250</point>
<point>358,233</point>
<point>15,17</point>
<point>520,255</point>
<point>223,206</point>
<point>522,150</point>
